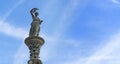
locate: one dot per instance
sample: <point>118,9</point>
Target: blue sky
<point>75,31</point>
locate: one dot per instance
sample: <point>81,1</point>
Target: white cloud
<point>108,54</point>
<point>12,31</point>
<point>112,44</point>
<point>116,1</point>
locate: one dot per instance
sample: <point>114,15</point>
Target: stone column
<point>34,44</point>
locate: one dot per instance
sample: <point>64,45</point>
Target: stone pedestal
<point>34,44</point>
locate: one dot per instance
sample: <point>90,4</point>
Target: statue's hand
<point>41,21</point>
<point>33,10</point>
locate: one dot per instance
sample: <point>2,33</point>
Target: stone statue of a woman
<point>35,25</point>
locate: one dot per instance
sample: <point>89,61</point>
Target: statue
<point>35,25</point>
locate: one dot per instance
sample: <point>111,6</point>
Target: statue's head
<point>36,14</point>
<point>30,62</point>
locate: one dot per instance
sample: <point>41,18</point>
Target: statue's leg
<point>31,30</point>
<point>38,30</point>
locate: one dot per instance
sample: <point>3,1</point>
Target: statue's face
<point>36,14</point>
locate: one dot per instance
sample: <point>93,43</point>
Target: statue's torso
<point>36,22</point>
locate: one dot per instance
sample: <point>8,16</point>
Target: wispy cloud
<point>10,30</point>
<point>106,54</point>
<point>64,20</point>
<point>116,1</point>
<point>12,9</point>
<point>21,57</point>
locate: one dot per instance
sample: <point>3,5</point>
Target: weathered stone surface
<point>34,44</point>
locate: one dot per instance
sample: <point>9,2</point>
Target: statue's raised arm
<point>33,11</point>
<point>35,25</point>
